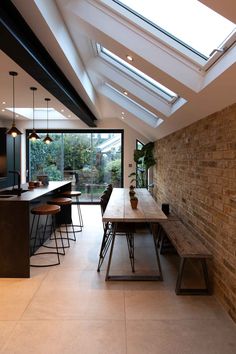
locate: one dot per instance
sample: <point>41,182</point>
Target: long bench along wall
<point>196,175</point>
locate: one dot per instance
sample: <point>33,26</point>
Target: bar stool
<point>60,201</point>
<point>76,195</point>
<point>45,210</point>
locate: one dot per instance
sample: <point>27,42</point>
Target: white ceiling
<point>69,30</point>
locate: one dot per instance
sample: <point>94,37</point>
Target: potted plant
<point>134,202</point>
<point>144,159</point>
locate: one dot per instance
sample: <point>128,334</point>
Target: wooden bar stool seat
<point>38,212</point>
<point>75,195</point>
<point>63,202</point>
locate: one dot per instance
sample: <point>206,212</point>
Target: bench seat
<point>188,247</point>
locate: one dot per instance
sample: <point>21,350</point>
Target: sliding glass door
<point>91,160</point>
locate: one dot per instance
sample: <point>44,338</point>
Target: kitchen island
<point>15,224</point>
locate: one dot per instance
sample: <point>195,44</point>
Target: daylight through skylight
<point>188,21</point>
<point>164,92</point>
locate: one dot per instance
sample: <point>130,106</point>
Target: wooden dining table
<point>119,210</point>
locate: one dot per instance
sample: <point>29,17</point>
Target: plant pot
<point>134,203</point>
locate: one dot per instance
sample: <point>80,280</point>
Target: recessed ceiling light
<point>125,93</point>
<point>69,116</point>
<point>122,117</point>
<point>3,110</point>
<point>62,110</point>
<point>3,102</point>
<point>122,113</point>
<point>129,57</point>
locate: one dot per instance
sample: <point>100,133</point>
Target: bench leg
<point>192,291</point>
<point>155,240</point>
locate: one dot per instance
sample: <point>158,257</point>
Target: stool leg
<point>81,222</point>
<point>57,253</point>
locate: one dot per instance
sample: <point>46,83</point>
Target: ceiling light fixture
<point>125,93</point>
<point>47,139</point>
<point>129,57</point>
<point>33,136</point>
<point>3,102</point>
<point>13,131</point>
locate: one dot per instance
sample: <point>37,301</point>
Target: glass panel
<point>46,158</point>
<point>188,21</point>
<point>89,160</point>
<point>164,92</point>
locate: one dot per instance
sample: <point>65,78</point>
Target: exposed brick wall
<point>196,175</point>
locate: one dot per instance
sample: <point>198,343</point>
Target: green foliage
<point>53,173</point>
<point>146,153</point>
<point>144,159</point>
<point>113,169</point>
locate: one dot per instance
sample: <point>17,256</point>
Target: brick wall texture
<point>196,174</point>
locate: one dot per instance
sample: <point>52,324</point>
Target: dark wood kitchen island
<point>15,223</point>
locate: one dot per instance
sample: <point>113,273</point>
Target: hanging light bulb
<point>13,131</point>
<point>47,139</point>
<point>33,136</point>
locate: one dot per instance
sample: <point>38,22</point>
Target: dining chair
<point>121,229</point>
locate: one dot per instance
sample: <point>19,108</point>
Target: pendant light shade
<point>33,136</point>
<point>47,139</point>
<point>13,131</point>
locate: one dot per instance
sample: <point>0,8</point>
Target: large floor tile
<point>15,295</point>
<point>72,303</point>
<point>67,337</point>
<point>6,327</point>
<point>164,305</point>
<point>181,337</point>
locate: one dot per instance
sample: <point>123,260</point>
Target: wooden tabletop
<point>119,207</point>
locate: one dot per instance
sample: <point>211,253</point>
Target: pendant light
<point>14,132</point>
<point>33,136</point>
<point>47,139</point>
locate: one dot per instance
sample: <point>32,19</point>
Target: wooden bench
<point>187,247</point>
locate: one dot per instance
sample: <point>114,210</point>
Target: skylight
<point>189,22</point>
<point>40,113</point>
<point>155,120</point>
<point>163,91</point>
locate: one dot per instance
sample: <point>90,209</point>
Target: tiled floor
<point>71,309</point>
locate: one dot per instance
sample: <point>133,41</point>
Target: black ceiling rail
<point>19,42</point>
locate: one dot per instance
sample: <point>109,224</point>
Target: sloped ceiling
<point>70,29</point>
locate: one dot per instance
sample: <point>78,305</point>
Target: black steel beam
<point>19,42</point>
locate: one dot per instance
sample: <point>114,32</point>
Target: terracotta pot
<point>134,203</point>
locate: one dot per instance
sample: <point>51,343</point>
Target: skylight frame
<point>187,49</point>
<point>163,92</point>
<point>153,115</point>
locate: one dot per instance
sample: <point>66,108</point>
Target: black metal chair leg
<point>106,241</point>
<point>111,251</point>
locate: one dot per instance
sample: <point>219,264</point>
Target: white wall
<point>130,136</point>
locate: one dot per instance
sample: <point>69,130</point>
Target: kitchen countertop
<point>33,193</point>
